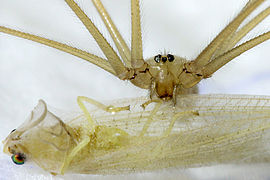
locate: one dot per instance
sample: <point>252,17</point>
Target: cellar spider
<point>25,56</point>
<point>165,75</point>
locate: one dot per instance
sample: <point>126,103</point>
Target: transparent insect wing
<point>202,130</point>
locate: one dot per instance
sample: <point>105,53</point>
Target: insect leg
<point>150,118</point>
<point>175,117</point>
<point>110,109</point>
<point>150,101</point>
<point>80,100</point>
<point>73,153</point>
<point>100,62</point>
<point>108,51</point>
<point>137,60</point>
<point>118,40</point>
<point>85,137</point>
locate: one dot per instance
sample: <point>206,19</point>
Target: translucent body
<point>201,130</point>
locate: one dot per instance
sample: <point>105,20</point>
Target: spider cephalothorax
<point>164,78</point>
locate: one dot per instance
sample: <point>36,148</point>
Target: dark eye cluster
<point>12,131</point>
<point>159,58</point>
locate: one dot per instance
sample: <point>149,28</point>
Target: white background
<point>30,71</point>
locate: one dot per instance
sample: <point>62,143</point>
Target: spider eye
<point>157,58</point>
<point>164,59</point>
<point>12,131</point>
<point>18,158</point>
<point>170,57</point>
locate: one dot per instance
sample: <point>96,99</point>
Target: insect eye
<point>18,158</point>
<point>157,58</point>
<point>170,57</point>
<point>164,59</point>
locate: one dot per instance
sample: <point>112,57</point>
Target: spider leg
<point>118,40</point>
<point>100,62</point>
<point>194,72</point>
<point>175,93</point>
<point>238,35</point>
<point>225,43</point>
<point>108,51</point>
<point>152,89</point>
<point>189,79</point>
<point>220,61</point>
<point>205,56</point>
<point>248,27</point>
<point>137,60</point>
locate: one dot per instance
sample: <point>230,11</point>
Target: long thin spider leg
<point>205,56</point>
<point>118,40</point>
<point>100,62</point>
<point>220,61</point>
<point>108,51</point>
<point>136,36</point>
<point>189,79</point>
<point>248,27</point>
<point>238,35</point>
<point>225,43</point>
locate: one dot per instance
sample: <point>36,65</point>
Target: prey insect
<point>165,75</point>
<point>202,130</point>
